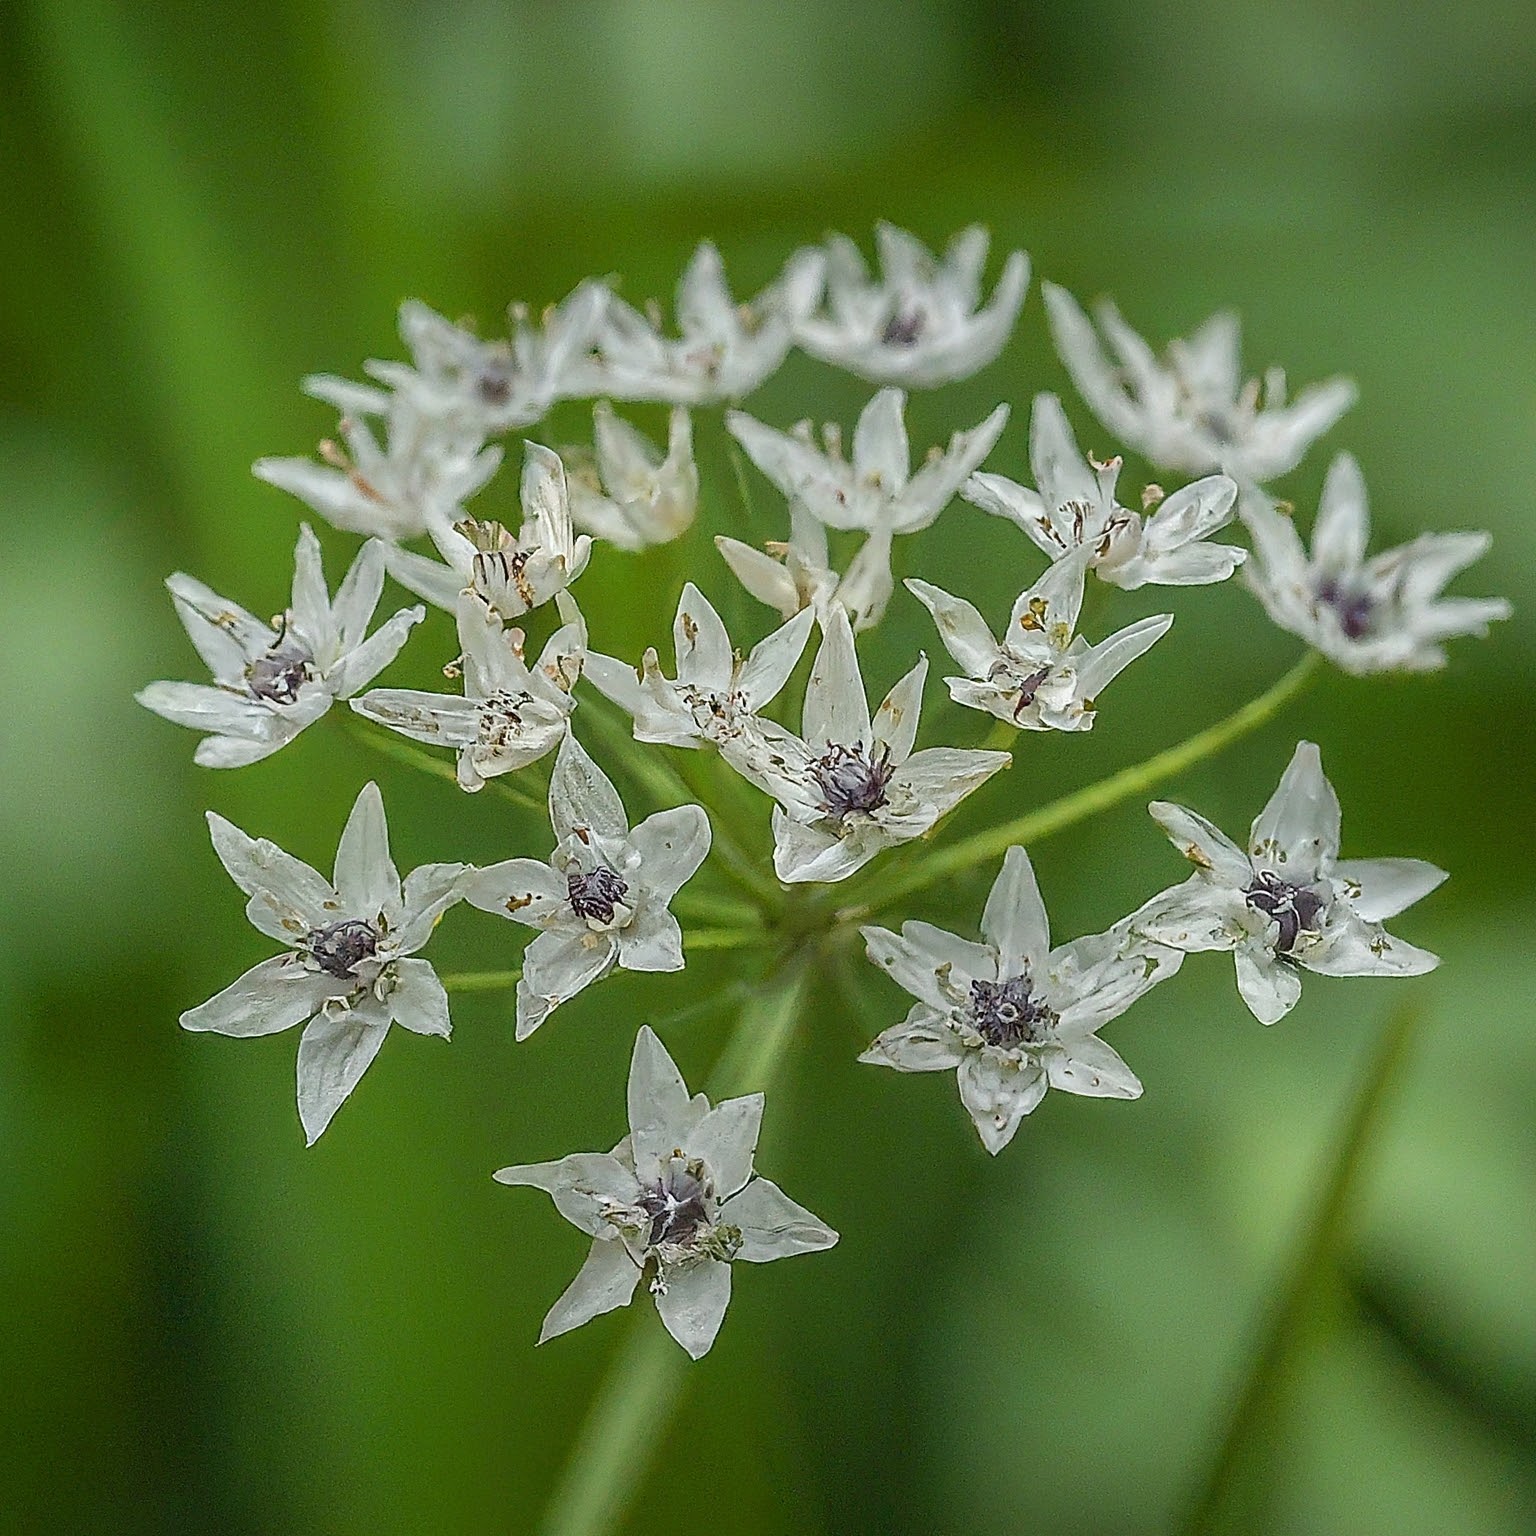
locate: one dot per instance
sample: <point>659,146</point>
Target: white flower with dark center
<point>491,387</point>
<point>677,1202</point>
<point>345,971</point>
<point>510,715</point>
<point>1378,614</point>
<point>1191,410</point>
<point>272,680</point>
<point>795,575</point>
<point>511,575</point>
<point>1289,903</point>
<point>602,899</point>
<point>1011,1016</point>
<point>1043,676</point>
<point>627,492</point>
<point>1075,506</point>
<point>723,350</point>
<point>922,322</point>
<point>851,785</point>
<point>876,487</point>
<point>716,696</point>
<point>423,473</point>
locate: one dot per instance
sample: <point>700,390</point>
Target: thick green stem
<point>480,981</point>
<point>628,1422</point>
<point>1136,780</point>
<point>1311,1271</point>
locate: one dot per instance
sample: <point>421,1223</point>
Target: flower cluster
<point>837,784</point>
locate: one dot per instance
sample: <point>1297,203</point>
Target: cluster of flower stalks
<point>678,1201</point>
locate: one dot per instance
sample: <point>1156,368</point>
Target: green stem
<point>405,751</point>
<point>724,938</point>
<point>627,1425</point>
<point>1136,780</point>
<point>1311,1272</point>
<point>480,981</point>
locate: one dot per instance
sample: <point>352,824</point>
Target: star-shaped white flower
<point>491,387</point>
<point>851,785</point>
<point>716,696</point>
<point>425,470</point>
<point>1378,614</point>
<point>1191,410</point>
<point>512,576</point>
<point>1289,903</point>
<point>601,901</point>
<point>1043,676</point>
<point>677,1202</point>
<point>509,715</point>
<point>922,323</point>
<point>1075,505</point>
<point>270,681</point>
<point>723,350</point>
<point>627,493</point>
<point>346,970</point>
<point>1011,1016</point>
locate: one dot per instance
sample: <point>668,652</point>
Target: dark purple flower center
<point>904,328</point>
<point>1028,689</point>
<point>677,1204</point>
<point>1294,907</point>
<point>1007,1014</point>
<point>1353,608</point>
<point>278,675</point>
<point>494,384</point>
<point>595,894</point>
<point>851,780</point>
<point>340,948</point>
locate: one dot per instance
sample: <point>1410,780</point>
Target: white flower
<point>724,350</point>
<point>920,324</point>
<point>423,473</point>
<point>677,1201</point>
<point>628,493</point>
<point>853,786</point>
<point>1075,505</point>
<point>1289,903</point>
<point>1042,677</point>
<point>270,681</point>
<point>602,899</point>
<point>1190,410</point>
<point>1012,1016</point>
<point>717,696</point>
<point>510,715</point>
<point>512,576</point>
<point>346,970</point>
<point>1382,614</point>
<point>491,387</point>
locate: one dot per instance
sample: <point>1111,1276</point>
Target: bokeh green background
<point>203,1327</point>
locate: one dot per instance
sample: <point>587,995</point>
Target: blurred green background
<point>204,1328</point>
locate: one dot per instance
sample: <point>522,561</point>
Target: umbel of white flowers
<point>346,970</point>
<point>676,1202</point>
<point>1289,903</point>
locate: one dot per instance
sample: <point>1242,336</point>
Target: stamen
<point>340,948</point>
<point>1353,608</point>
<point>594,895</point>
<point>278,675</point>
<point>904,328</point>
<point>1294,907</point>
<point>1007,1014</point>
<point>852,781</point>
<point>678,1206</point>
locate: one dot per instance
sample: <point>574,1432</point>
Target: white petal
<point>366,879</point>
<point>693,1305</point>
<point>437,719</point>
<point>202,708</point>
<point>912,969</point>
<point>1061,472</point>
<point>556,966</point>
<point>922,1042</point>
<point>672,845</point>
<point>771,661</point>
<point>418,1002</point>
<point>605,1281</point>
<point>659,1107</point>
<point>287,896</point>
<point>1206,846</point>
<point>1343,527</point>
<point>935,485</point>
<point>1101,664</point>
<point>430,889</point>
<point>1381,888</point>
<point>527,890</point>
<point>1014,921</point>
<point>582,796</point>
<point>1086,1065</point>
<point>1355,948</point>
<point>804,854</point>
<point>895,722</point>
<point>726,1139</point>
<point>583,1186</point>
<point>1192,917</point>
<point>275,995</point>
<point>358,595</point>
<point>1270,987</point>
<point>1298,831</point>
<point>763,576</point>
<point>880,448</point>
<point>962,629</point>
<point>773,1226</point>
<point>836,711</point>
<point>938,779</point>
<point>359,667</point>
<point>998,1097</point>
<point>333,1055</point>
<point>652,942</point>
<point>703,647</point>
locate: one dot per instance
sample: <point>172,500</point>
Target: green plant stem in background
<point>628,1422</point>
<point>1140,777</point>
<point>1312,1271</point>
<point>480,981</point>
<point>404,751</point>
